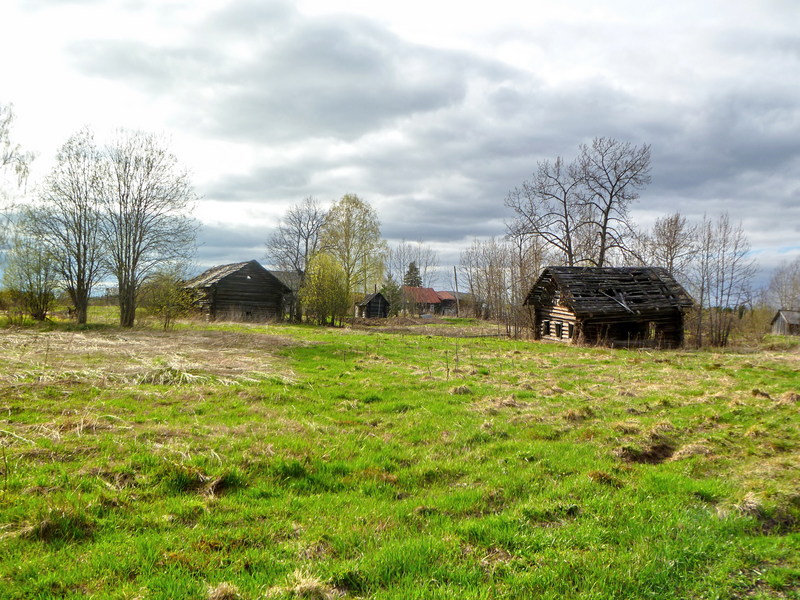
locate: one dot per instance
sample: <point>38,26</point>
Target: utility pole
<point>455,277</point>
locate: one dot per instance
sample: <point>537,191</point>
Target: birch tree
<point>352,236</point>
<point>723,271</point>
<point>69,219</point>
<point>145,198</point>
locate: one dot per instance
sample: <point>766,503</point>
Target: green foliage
<point>352,236</point>
<point>325,294</point>
<point>164,297</point>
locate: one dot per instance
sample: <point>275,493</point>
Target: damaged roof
<point>609,290</point>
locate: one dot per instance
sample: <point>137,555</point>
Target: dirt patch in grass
<point>789,398</point>
<point>650,454</point>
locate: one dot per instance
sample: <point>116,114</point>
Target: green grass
<point>277,461</point>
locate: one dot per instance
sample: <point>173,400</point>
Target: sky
<point>432,111</point>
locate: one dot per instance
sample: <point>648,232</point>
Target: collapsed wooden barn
<point>616,306</point>
<point>243,291</point>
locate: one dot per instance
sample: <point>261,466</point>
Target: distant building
<point>786,322</point>
<point>447,303</point>
<point>616,306</point>
<point>420,300</point>
<point>243,291</point>
<point>373,306</point>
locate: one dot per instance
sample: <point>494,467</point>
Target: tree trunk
<point>127,306</point>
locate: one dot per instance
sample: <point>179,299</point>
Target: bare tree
<point>15,160</point>
<point>612,173</point>
<point>551,206</point>
<point>784,287</point>
<point>722,274</point>
<point>30,273</point>
<point>68,221</point>
<point>671,244</point>
<point>580,209</point>
<point>296,240</point>
<point>145,199</point>
<point>528,258</point>
<point>425,258</point>
<point>487,267</point>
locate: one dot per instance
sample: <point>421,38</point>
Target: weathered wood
<point>373,306</point>
<point>239,292</point>
<point>615,306</point>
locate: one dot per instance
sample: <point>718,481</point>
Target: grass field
<point>234,461</point>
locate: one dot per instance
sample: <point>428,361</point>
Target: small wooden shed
<point>243,291</point>
<point>786,322</point>
<point>616,306</point>
<point>373,306</point>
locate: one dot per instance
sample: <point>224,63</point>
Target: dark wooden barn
<point>616,306</point>
<point>786,322</point>
<point>243,291</point>
<point>373,306</point>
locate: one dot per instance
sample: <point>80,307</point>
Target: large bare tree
<point>295,241</point>
<point>69,218</point>
<point>580,208</point>
<point>612,174</point>
<point>145,199</point>
<point>551,207</point>
<point>296,238</point>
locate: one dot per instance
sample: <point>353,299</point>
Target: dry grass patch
<point>223,591</point>
<point>302,584</point>
<point>138,356</point>
<point>693,449</point>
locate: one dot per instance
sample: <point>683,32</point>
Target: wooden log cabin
<point>615,306</point>
<point>243,291</point>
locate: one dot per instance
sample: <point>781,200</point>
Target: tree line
<point>122,210</point>
<point>119,209</point>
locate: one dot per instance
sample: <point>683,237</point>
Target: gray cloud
<point>436,138</point>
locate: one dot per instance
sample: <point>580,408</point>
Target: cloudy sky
<point>430,110</point>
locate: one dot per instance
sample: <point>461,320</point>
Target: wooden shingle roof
<point>369,297</point>
<point>609,290</point>
<point>215,274</point>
